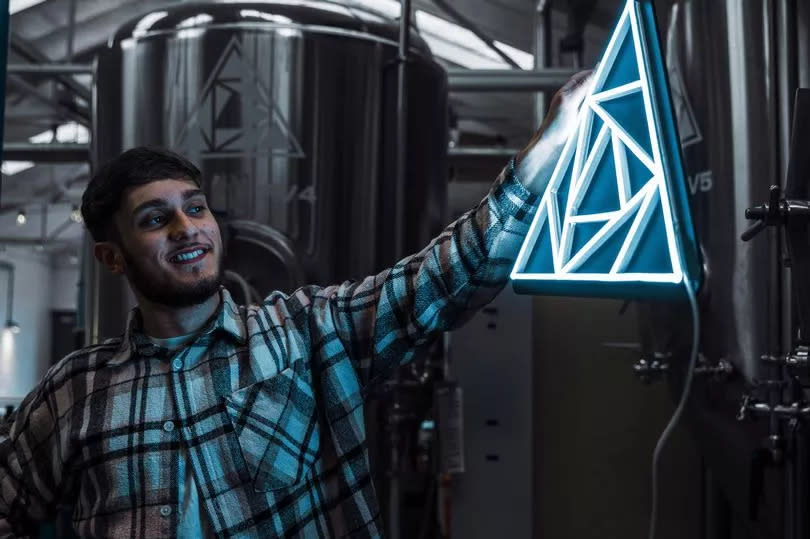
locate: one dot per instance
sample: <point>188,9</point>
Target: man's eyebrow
<point>191,193</point>
<point>149,204</point>
<point>161,203</point>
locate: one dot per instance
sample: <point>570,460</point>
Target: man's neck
<point>162,321</point>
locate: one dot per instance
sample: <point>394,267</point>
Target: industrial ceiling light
<point>67,132</point>
<point>390,8</point>
<point>10,168</point>
<point>21,218</point>
<point>450,41</point>
<point>614,220</point>
<point>12,326</point>
<point>15,6</point>
<point>458,45</point>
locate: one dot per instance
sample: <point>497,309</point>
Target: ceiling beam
<point>31,53</point>
<point>74,111</point>
<point>91,34</point>
<point>37,241</point>
<point>472,27</point>
<point>50,69</point>
<point>55,152</point>
<point>507,80</point>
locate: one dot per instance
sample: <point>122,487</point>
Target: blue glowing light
<point>614,219</point>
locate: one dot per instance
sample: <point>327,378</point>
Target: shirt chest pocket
<point>276,424</point>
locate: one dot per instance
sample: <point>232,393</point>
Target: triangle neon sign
<point>614,219</point>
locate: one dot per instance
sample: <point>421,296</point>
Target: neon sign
<point>614,219</point>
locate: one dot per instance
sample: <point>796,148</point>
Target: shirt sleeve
<point>30,467</point>
<point>388,319</point>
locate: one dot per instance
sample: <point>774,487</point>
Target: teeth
<point>188,256</point>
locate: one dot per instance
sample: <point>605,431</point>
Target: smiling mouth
<point>189,257</point>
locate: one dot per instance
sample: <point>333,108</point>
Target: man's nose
<point>182,226</point>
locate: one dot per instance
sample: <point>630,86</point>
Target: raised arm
<point>30,467</point>
<point>387,319</point>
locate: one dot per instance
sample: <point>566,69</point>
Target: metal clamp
<point>719,371</point>
<point>650,370</point>
<point>797,358</point>
<point>749,405</point>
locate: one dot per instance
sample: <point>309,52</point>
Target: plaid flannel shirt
<point>267,402</point>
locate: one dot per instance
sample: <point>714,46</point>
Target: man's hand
<point>535,163</point>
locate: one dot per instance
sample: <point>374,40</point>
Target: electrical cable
<point>690,292</point>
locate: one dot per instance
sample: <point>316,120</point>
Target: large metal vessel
<point>728,88</point>
<point>289,110</point>
<point>734,68</point>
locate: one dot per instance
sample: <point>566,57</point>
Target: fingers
<point>577,88</point>
<point>576,81</point>
<point>561,119</point>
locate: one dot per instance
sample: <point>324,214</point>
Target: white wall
<point>38,288</point>
<point>24,356</point>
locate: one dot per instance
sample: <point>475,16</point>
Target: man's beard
<point>171,294</point>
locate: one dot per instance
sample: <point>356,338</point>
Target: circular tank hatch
<point>258,260</point>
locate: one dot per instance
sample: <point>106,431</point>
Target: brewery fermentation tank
<point>734,68</point>
<point>732,87</point>
<point>289,110</point>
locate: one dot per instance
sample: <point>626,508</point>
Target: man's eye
<point>196,209</point>
<point>154,220</point>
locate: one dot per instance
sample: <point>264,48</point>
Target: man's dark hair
<point>134,167</point>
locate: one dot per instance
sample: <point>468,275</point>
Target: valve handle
<point>768,214</point>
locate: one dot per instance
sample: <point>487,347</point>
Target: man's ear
<point>109,254</point>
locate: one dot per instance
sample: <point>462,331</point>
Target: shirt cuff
<point>513,199</point>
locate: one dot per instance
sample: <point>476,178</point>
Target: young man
<point>210,419</point>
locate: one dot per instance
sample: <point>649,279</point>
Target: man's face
<point>170,245</point>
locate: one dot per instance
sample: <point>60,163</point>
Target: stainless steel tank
<point>289,110</point>
<point>722,63</point>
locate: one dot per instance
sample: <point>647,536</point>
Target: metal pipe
<point>402,124</point>
<point>50,69</point>
<point>53,152</point>
<point>5,22</point>
<point>472,151</point>
<point>472,27</point>
<point>399,231</point>
<point>542,53</point>
<point>43,229</point>
<point>787,82</point>
<point>490,158</point>
<point>10,303</point>
<point>71,30</point>
<point>504,80</point>
<point>10,300</point>
<point>781,410</point>
<point>786,78</point>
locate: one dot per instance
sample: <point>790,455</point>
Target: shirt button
<point>177,364</point>
<point>168,426</point>
<point>166,510</point>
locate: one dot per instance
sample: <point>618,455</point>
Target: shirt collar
<point>227,321</point>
